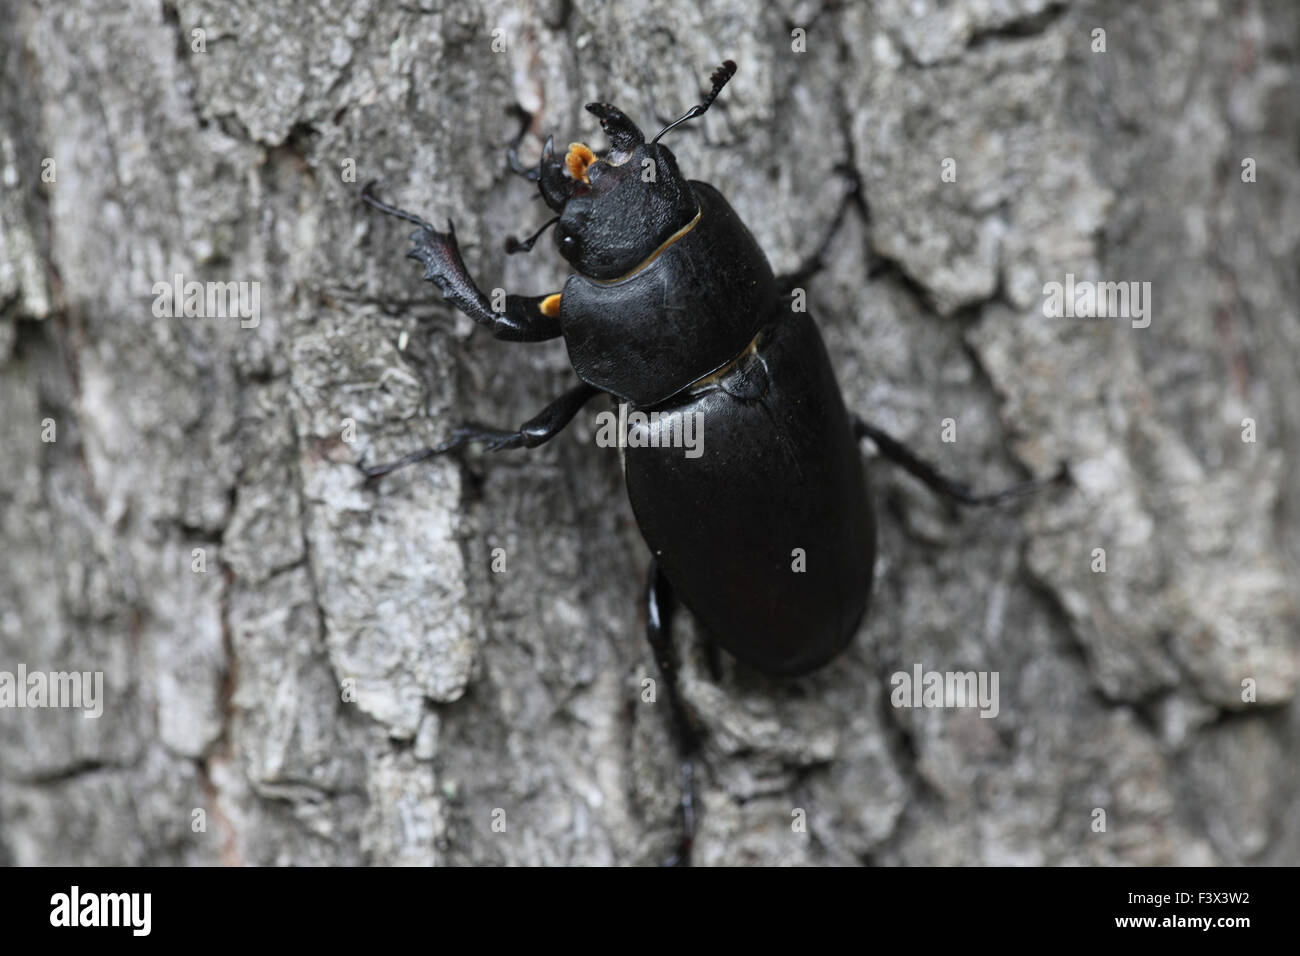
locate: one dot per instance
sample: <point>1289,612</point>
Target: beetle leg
<point>958,491</point>
<point>815,261</point>
<point>536,431</point>
<point>522,318</point>
<point>530,173</point>
<point>658,628</point>
<point>712,659</point>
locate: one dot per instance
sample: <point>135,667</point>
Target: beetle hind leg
<point>941,484</point>
<point>659,611</point>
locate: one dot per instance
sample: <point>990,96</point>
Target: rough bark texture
<point>521,691</point>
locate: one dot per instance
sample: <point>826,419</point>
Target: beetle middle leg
<point>816,260</point>
<point>538,430</point>
<point>939,483</point>
<point>659,613</point>
<point>530,173</point>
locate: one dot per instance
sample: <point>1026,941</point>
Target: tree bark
<point>332,674</point>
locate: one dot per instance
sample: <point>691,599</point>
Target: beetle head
<point>617,210</point>
<point>624,205</point>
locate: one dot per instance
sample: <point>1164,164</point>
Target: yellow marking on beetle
<point>655,255</point>
<point>577,159</point>
<point>550,306</point>
<point>716,375</point>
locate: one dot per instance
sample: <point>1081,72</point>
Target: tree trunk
<point>298,669</point>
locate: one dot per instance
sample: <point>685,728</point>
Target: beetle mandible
<point>673,308</point>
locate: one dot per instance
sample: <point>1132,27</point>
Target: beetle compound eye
<point>569,242</point>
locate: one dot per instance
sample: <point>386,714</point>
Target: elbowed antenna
<point>719,79</point>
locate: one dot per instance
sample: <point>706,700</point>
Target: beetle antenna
<point>719,79</point>
<point>513,245</point>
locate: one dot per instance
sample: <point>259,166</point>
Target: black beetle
<point>768,538</point>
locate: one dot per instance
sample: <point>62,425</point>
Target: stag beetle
<point>768,538</point>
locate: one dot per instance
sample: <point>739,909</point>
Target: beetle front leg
<point>536,431</point>
<point>938,483</point>
<point>658,625</point>
<point>522,318</point>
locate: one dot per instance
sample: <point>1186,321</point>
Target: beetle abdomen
<point>768,535</point>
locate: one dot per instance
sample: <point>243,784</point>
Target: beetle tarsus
<point>712,660</point>
<point>682,855</point>
<point>520,321</point>
<point>816,260</point>
<point>940,484</point>
<point>659,614</point>
<point>368,196</point>
<point>530,173</point>
<point>373,473</point>
<point>538,430</point>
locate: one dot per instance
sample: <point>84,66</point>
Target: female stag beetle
<point>673,308</point>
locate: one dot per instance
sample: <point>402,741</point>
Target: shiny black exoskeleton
<point>768,535</point>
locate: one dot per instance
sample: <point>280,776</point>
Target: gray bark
<point>521,691</point>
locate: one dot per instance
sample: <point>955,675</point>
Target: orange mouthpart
<point>577,159</point>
